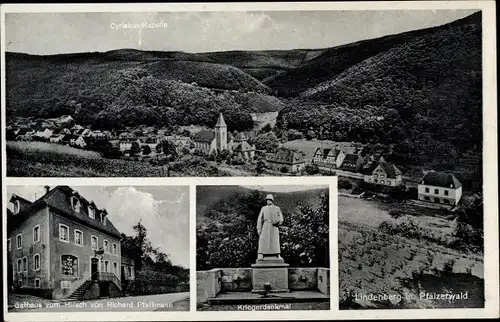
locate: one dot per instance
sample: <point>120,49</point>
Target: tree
<point>294,135</point>
<point>146,150</point>
<point>260,166</point>
<point>267,141</point>
<point>135,148</point>
<point>169,149</point>
<point>310,135</point>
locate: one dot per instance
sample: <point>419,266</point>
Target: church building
<point>212,141</point>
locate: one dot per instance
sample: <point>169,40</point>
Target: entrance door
<point>94,264</point>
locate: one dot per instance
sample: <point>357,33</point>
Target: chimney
<point>47,189</point>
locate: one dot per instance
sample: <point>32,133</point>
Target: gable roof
<point>390,169</point>
<point>58,199</point>
<point>351,158</point>
<point>241,137</point>
<point>287,156</point>
<point>441,179</point>
<point>206,136</point>
<point>244,147</point>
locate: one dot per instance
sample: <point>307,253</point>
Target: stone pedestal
<point>270,270</point>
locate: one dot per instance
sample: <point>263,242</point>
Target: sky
<point>164,211</point>
<point>51,33</point>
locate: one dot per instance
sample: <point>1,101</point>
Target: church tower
<point>221,134</point>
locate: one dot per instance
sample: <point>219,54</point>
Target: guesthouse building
<point>63,246</point>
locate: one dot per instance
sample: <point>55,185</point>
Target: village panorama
<point>398,119</point>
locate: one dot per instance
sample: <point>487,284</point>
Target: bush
<point>448,266</point>
<point>396,214</point>
<point>311,169</point>
<point>344,184</point>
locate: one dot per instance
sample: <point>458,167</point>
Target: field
<point>38,159</point>
<point>372,262</point>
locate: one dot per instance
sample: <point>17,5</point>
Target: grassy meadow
<point>371,261</point>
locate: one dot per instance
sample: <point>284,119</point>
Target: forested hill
<point>422,98</point>
<point>244,199</point>
<point>418,93</point>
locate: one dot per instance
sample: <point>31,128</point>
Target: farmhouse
<point>126,144</point>
<point>46,133</point>
<point>352,162</point>
<point>62,246</point>
<point>286,160</point>
<point>440,187</point>
<point>81,142</point>
<point>384,173</point>
<point>241,147</point>
<point>56,138</point>
<point>210,141</point>
<point>328,157</point>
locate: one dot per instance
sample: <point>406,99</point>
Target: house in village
<point>241,148</point>
<point>180,142</point>
<point>383,173</point>
<point>81,142</point>
<point>76,128</point>
<point>126,144</point>
<point>212,141</point>
<point>45,134</point>
<point>328,157</point>
<point>440,187</point>
<point>56,138</point>
<point>352,162</point>
<point>370,162</point>
<point>286,160</point>
<point>62,246</point>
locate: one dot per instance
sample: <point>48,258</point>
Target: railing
<point>109,277</point>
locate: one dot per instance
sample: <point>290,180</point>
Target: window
<point>437,200</point>
<point>129,271</point>
<point>106,266</point>
<point>115,268</point>
<point>37,283</point>
<point>8,245</point>
<point>427,198</point>
<point>436,191</point>
<point>446,192</point>
<point>115,249</point>
<point>19,241</point>
<point>75,204</point>
<point>382,181</point>
<point>91,212</point>
<point>446,201</point>
<point>427,190</point>
<point>17,207</point>
<point>69,265</point>
<point>19,265</point>
<point>36,234</point>
<point>106,246</point>
<point>63,233</point>
<point>25,264</point>
<point>101,217</point>
<point>78,237</point>
<point>36,262</point>
<point>94,242</point>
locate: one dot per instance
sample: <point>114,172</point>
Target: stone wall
<point>208,284</point>
<point>303,278</point>
<point>324,280</point>
<point>237,279</point>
